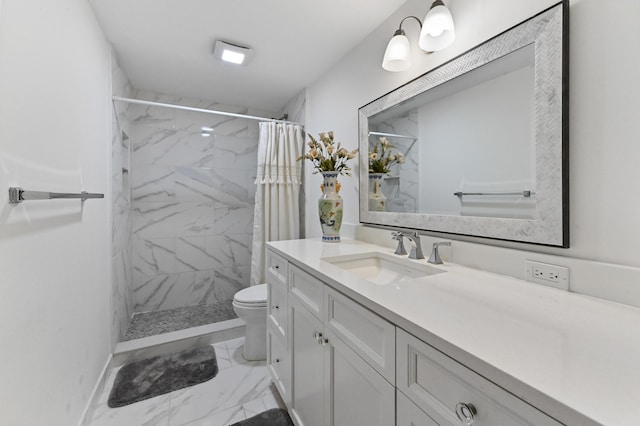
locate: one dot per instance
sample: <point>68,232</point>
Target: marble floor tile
<point>153,411</point>
<point>235,347</point>
<point>222,355</point>
<point>240,390</point>
<point>232,386</point>
<point>224,417</point>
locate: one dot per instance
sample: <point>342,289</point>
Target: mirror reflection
<point>464,148</point>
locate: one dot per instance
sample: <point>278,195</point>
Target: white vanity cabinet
<point>335,362</point>
<point>342,358</point>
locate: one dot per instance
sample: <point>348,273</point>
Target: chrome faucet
<point>435,255</point>
<point>416,249</point>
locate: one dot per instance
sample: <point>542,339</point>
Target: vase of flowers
<point>381,158</point>
<point>377,200</point>
<point>330,159</point>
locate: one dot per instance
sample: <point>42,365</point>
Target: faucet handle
<point>399,236</point>
<point>435,254</point>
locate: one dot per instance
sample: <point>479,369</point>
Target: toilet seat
<point>252,297</point>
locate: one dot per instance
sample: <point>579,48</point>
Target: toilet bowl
<point>250,305</point>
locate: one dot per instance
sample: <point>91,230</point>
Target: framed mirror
<point>479,145</point>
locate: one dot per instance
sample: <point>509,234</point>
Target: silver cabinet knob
<point>466,413</point>
<point>319,338</point>
<point>276,361</point>
<point>275,307</point>
<point>277,266</point>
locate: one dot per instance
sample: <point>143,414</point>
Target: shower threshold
<point>166,321</point>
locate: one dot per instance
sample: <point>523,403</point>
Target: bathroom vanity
<point>357,335</point>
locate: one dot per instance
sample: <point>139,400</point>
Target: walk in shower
<point>190,212</point>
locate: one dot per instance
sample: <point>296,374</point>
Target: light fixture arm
<point>400,31</point>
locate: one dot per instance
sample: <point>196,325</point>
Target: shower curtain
<point>277,210</point>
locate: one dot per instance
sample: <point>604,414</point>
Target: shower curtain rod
<point>206,111</point>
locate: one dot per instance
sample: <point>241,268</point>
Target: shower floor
<point>152,323</point>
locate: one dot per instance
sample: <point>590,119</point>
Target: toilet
<point>250,305</point>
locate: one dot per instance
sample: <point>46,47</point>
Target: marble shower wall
<point>122,277</point>
<point>193,202</point>
<point>401,188</point>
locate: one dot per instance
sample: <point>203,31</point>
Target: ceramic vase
<point>330,209</point>
<point>377,200</point>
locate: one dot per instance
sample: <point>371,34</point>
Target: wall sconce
<point>437,33</point>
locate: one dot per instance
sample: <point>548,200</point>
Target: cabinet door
<point>356,393</point>
<point>307,357</point>
<point>279,364</point>
<point>408,413</point>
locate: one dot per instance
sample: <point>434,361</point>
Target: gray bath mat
<point>273,417</point>
<point>155,376</point>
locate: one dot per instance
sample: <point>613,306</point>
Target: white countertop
<point>575,357</point>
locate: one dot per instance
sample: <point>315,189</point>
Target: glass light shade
<point>397,57</point>
<point>438,31</point>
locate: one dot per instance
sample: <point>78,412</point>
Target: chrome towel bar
<point>18,195</point>
<point>526,194</point>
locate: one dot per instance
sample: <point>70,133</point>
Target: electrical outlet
<point>546,274</point>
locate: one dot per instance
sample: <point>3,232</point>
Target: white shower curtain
<point>277,210</point>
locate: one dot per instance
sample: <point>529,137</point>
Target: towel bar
<point>18,195</point>
<point>526,194</point>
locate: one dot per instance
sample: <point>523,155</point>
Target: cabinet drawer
<point>408,413</point>
<point>277,267</point>
<point>372,337</point>
<point>438,384</point>
<point>307,290</point>
<point>277,310</point>
<point>279,365</point>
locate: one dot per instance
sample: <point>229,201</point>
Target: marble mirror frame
<point>548,32</point>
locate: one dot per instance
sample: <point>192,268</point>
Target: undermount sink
<point>382,268</point>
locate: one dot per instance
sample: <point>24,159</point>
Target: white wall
<point>54,255</point>
<point>604,117</point>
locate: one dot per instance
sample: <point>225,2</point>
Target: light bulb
<point>438,31</point>
<point>398,53</point>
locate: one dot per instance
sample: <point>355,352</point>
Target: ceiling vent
<point>232,53</point>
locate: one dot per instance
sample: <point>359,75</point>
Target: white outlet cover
<point>562,271</point>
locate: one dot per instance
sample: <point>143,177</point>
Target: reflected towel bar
<point>18,195</point>
<point>526,194</point>
<point>392,135</point>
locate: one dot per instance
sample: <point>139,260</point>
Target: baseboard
<point>95,393</point>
